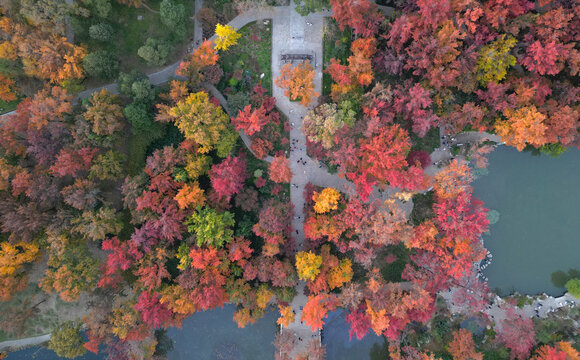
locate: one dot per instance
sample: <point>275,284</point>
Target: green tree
<point>126,80</point>
<point>140,118</point>
<point>227,141</point>
<point>101,64</point>
<point>210,227</point>
<point>107,166</point>
<point>154,52</point>
<point>173,17</point>
<point>100,8</point>
<point>67,341</point>
<point>101,32</point>
<point>237,102</point>
<point>143,91</point>
<point>573,286</point>
<point>559,278</point>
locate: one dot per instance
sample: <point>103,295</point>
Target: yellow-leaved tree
<point>286,316</point>
<point>12,257</point>
<point>308,265</point>
<point>226,35</point>
<point>205,123</point>
<point>326,200</point>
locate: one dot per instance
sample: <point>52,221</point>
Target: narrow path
<point>146,7</point>
<point>22,343</point>
<point>168,73</point>
<point>70,35</point>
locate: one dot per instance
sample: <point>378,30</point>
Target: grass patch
<point>335,44</point>
<point>137,151</point>
<point>244,63</point>
<point>427,143</point>
<point>131,33</point>
<point>392,272</point>
<point>6,107</point>
<point>422,207</point>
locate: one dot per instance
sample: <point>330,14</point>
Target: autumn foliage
<point>298,82</point>
<point>280,170</point>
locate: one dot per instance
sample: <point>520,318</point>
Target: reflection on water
<point>339,347</point>
<point>208,335</point>
<point>538,231</point>
<point>213,335</point>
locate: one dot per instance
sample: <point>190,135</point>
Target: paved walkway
<point>22,343</point>
<point>292,34</point>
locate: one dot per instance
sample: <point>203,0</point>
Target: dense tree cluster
<point>204,222</point>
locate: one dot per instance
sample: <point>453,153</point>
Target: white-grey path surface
<point>292,34</point>
<point>70,35</point>
<point>22,343</point>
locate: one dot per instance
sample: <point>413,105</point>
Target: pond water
<point>538,232</point>
<point>208,335</point>
<point>339,347</point>
<point>213,335</point>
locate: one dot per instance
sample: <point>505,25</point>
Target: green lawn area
<point>428,143</point>
<point>392,272</point>
<point>335,44</point>
<point>244,63</point>
<point>6,107</point>
<point>144,144</point>
<point>131,33</point>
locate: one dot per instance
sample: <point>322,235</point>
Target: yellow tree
<point>202,121</point>
<point>298,82</point>
<point>341,274</point>
<point>286,315</point>
<point>12,257</point>
<point>326,200</point>
<point>226,36</point>
<point>105,113</point>
<point>263,296</point>
<point>523,126</point>
<point>308,265</point>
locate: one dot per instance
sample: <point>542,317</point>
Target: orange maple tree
<point>298,82</point>
<point>7,89</point>
<point>280,170</point>
<point>523,126</point>
<point>462,346</point>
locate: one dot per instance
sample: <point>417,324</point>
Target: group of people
<point>294,146</point>
<point>483,265</point>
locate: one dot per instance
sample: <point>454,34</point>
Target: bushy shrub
<point>140,118</point>
<point>154,52</point>
<point>173,17</point>
<point>101,32</point>
<point>101,64</point>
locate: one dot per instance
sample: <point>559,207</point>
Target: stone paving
<point>294,34</point>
